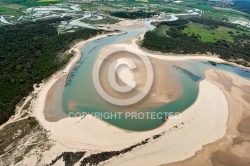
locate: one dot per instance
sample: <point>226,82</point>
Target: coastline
<point>226,150</point>
<point>174,147</point>
<point>53,80</point>
<point>108,137</point>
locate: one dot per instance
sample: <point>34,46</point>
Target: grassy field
<point>211,12</point>
<point>89,6</point>
<point>161,31</point>
<point>202,7</point>
<point>4,10</point>
<point>37,3</point>
<point>15,6</point>
<point>214,15</point>
<point>212,35</point>
<point>169,10</point>
<point>58,1</point>
<point>106,20</point>
<point>224,14</point>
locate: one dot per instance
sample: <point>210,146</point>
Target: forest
<point>29,53</point>
<point>133,15</point>
<point>177,42</point>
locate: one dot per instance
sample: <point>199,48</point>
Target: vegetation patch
<point>204,7</point>
<point>15,6</point>
<point>106,20</point>
<point>205,34</point>
<point>133,15</point>
<point>170,10</point>
<point>58,1</point>
<point>70,158</point>
<point>201,35</point>
<point>29,53</point>
<point>34,3</point>
<point>5,10</point>
<point>18,159</point>
<point>13,132</point>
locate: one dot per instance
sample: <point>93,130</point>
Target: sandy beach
<point>233,148</point>
<point>108,137</point>
<point>55,84</point>
<point>205,122</point>
<point>124,24</point>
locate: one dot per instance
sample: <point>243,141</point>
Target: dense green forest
<point>176,41</point>
<point>133,15</point>
<point>29,53</point>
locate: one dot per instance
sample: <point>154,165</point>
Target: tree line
<point>28,54</point>
<point>133,15</point>
<point>177,42</point>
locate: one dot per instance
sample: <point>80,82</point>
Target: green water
<point>80,94</point>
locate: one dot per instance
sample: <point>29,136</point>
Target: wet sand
<point>244,125</point>
<point>165,87</point>
<point>234,147</point>
<point>207,125</point>
<point>54,98</point>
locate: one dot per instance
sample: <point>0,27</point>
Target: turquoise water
<point>80,94</point>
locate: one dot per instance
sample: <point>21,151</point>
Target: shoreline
<point>109,137</point>
<point>235,90</point>
<point>180,57</point>
<point>176,148</point>
<point>48,84</point>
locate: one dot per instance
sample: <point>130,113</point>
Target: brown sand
<point>164,89</point>
<point>125,24</point>
<point>220,158</point>
<point>234,147</point>
<point>54,97</point>
<point>244,125</point>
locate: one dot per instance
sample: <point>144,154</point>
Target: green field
<point>205,34</point>
<point>202,7</point>
<point>39,3</point>
<point>88,6</point>
<point>161,30</point>
<point>4,10</point>
<point>169,10</point>
<point>106,20</point>
<point>15,6</point>
<point>58,1</point>
<point>224,14</point>
<point>211,12</point>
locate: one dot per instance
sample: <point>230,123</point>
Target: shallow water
<point>80,94</point>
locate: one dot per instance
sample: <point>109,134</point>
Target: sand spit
<point>165,87</point>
